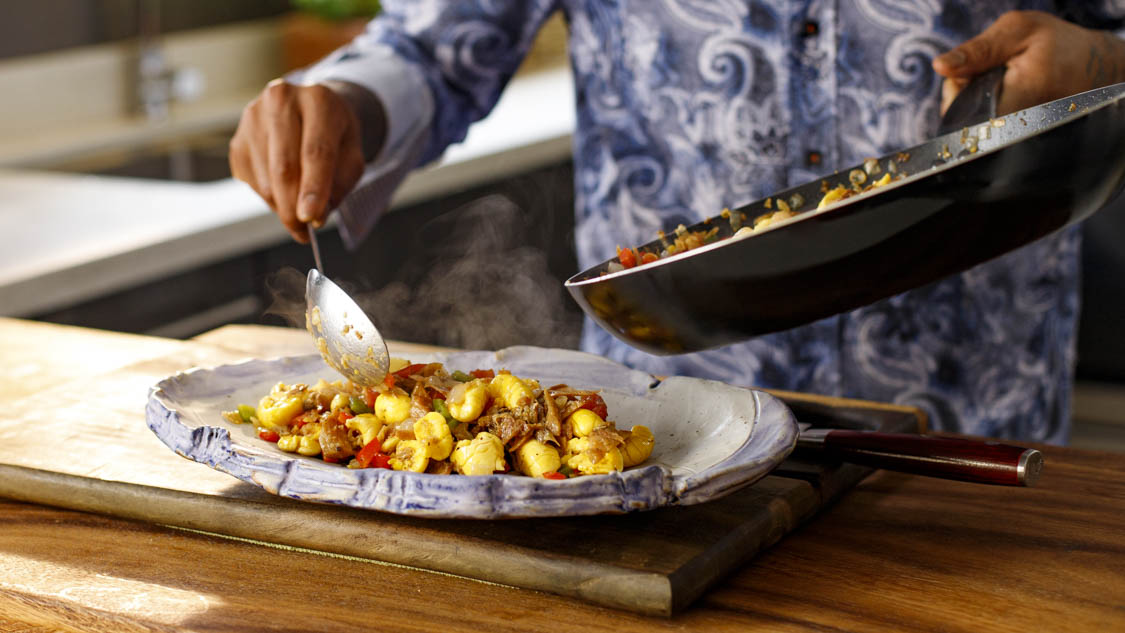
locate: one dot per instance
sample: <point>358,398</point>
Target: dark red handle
<point>950,458</point>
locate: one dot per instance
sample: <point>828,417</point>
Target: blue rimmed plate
<point>711,439</point>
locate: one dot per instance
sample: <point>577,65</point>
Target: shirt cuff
<point>409,107</point>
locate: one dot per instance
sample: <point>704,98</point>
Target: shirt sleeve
<point>437,66</point>
<point>1094,14</point>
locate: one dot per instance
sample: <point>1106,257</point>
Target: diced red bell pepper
<point>269,436</point>
<point>410,370</point>
<point>594,403</point>
<point>388,382</point>
<point>368,452</point>
<point>483,373</point>
<point>308,417</point>
<point>648,258</point>
<point>369,396</point>
<point>343,415</point>
<point>627,257</point>
<point>554,475</point>
<point>381,460</point>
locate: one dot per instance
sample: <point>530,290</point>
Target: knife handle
<point>949,458</point>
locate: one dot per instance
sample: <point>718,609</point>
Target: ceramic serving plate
<point>711,439</point>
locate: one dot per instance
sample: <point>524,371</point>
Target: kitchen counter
<point>896,553</point>
<point>72,237</point>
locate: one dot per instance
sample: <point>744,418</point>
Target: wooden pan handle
<point>949,458</point>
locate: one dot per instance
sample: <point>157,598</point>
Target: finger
<point>242,168</point>
<point>243,154</point>
<point>267,164</point>
<point>259,167</point>
<point>321,136</point>
<point>348,172</point>
<point>1001,41</point>
<point>350,164</point>
<point>257,156</point>
<point>238,158</point>
<point>950,88</point>
<point>283,126</point>
<point>296,228</point>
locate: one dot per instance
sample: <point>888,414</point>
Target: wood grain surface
<point>40,355</point>
<point>897,553</point>
<point>641,562</point>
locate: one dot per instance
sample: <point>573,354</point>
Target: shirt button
<point>810,28</point>
<point>813,159</point>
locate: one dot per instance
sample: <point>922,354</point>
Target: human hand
<point>1047,58</point>
<point>299,148</point>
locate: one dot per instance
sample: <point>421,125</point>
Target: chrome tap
<point>158,83</point>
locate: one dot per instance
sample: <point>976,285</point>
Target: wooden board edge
<point>794,502</point>
<point>836,402</point>
<point>328,529</point>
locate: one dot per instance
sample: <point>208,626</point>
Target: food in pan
<point>426,419</point>
<point>840,192</point>
<point>859,181</point>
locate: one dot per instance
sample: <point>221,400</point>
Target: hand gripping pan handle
<point>976,103</point>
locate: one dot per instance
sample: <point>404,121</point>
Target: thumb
<point>1001,41</point>
<point>950,88</point>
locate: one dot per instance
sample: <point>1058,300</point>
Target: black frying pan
<point>968,196</point>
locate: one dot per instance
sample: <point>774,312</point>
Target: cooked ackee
<point>425,419</point>
<point>860,181</point>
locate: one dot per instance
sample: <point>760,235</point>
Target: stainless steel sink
<point>201,158</point>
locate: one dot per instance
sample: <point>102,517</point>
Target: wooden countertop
<point>897,553</point>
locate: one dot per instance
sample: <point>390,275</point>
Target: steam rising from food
<point>474,278</point>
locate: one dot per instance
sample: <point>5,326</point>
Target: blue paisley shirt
<point>688,106</point>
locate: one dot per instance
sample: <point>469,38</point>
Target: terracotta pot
<point>306,38</point>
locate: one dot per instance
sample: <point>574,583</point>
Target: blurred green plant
<point>338,9</point>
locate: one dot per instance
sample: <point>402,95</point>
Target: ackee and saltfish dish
<point>425,419</point>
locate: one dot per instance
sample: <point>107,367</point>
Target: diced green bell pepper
<point>246,412</point>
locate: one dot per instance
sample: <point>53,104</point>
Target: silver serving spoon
<point>344,335</point>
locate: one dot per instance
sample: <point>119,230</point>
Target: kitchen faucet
<point>158,84</point>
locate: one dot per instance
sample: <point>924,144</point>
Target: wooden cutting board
<point>83,444</point>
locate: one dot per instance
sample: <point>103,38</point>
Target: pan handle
<point>976,103</point>
<point>949,458</point>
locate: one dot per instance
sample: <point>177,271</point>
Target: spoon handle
<point>315,248</point>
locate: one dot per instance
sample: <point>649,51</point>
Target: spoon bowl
<point>344,335</point>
